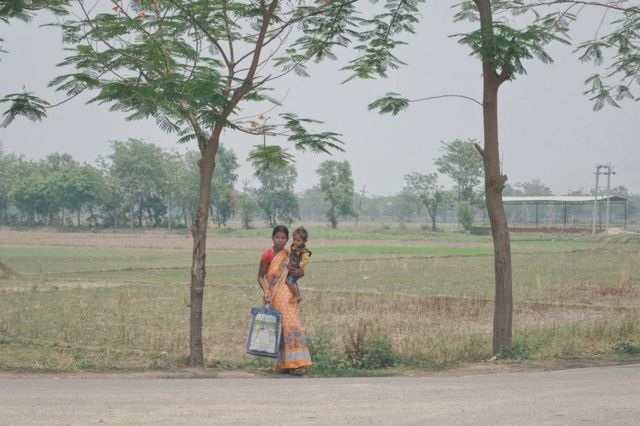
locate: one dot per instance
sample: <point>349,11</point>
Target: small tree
<point>223,194</point>
<point>426,190</point>
<point>337,185</point>
<point>466,215</point>
<point>461,161</point>
<point>248,205</point>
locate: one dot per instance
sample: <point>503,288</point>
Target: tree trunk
<point>334,221</point>
<point>169,223</point>
<point>494,184</point>
<point>198,267</point>
<point>433,221</point>
<point>78,217</point>
<point>140,213</point>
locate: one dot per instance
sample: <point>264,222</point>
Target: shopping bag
<point>265,330</point>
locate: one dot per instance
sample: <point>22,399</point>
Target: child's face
<point>298,241</point>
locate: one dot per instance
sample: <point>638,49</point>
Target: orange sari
<point>293,345</point>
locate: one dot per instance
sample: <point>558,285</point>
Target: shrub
<point>518,350</point>
<point>365,349</point>
<point>377,353</point>
<point>625,347</point>
<point>466,215</point>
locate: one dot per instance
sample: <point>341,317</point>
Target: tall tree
<point>190,65</point>
<point>337,185</point>
<point>137,167</point>
<point>426,190</point>
<point>502,48</point>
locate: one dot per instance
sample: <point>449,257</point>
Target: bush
<point>517,350</point>
<point>625,347</point>
<point>377,353</point>
<point>326,360</point>
<point>466,215</point>
<point>366,350</point>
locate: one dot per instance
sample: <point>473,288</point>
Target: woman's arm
<point>266,296</point>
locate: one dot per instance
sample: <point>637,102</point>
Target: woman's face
<point>279,240</point>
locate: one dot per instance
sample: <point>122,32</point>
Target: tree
<point>275,197</point>
<point>223,194</point>
<point>8,174</point>
<point>312,204</point>
<point>426,190</point>
<point>172,164</point>
<point>461,161</point>
<point>528,189</point>
<point>33,193</point>
<point>190,65</point>
<point>77,187</point>
<point>502,49</point>
<point>248,205</point>
<point>138,171</point>
<point>337,185</point>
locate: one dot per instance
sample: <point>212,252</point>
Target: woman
<point>272,275</point>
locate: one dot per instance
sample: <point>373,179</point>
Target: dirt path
<point>161,239</point>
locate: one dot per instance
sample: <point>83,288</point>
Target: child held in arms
<point>298,258</point>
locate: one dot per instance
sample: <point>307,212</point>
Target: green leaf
<point>265,157</point>
<point>24,104</point>
<point>391,103</point>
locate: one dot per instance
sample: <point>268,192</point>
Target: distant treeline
<point>141,185</point>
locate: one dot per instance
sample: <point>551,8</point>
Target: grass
<point>71,308</point>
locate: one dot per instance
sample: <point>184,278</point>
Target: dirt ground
<point>161,239</point>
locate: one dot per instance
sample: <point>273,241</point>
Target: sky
<point>548,130</point>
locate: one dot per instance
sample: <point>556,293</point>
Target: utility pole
<point>595,201</point>
<point>609,171</point>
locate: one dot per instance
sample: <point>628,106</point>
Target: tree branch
<point>448,96</point>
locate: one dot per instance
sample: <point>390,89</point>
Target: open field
<point>104,301</point>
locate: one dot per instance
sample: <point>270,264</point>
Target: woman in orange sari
<point>272,276</point>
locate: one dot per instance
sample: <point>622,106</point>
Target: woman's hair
<point>280,228</point>
<point>302,232</point>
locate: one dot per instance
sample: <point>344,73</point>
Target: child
<point>298,258</point>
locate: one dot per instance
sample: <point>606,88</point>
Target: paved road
<point>609,395</point>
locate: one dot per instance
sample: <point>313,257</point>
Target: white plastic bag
<point>265,330</point>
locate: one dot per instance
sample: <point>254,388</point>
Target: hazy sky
<point>548,130</point>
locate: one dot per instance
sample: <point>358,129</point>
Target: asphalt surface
<point>608,395</point>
